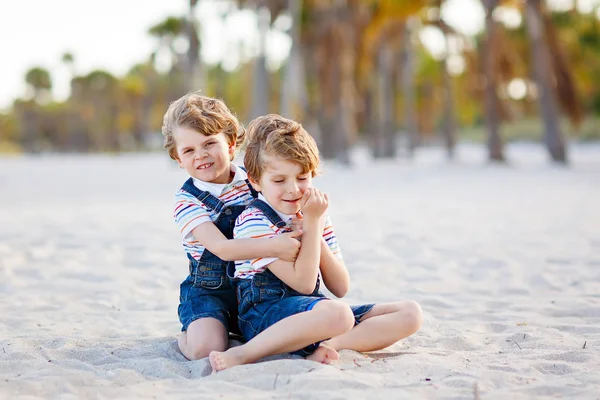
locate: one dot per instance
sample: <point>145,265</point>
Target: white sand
<point>505,261</point>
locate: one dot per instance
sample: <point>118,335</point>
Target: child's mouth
<point>204,166</point>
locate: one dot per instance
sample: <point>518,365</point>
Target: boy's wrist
<point>312,217</point>
<point>310,223</point>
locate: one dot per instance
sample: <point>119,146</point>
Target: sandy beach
<point>505,261</point>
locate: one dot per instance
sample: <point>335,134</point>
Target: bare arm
<point>302,274</point>
<point>334,272</point>
<point>284,247</point>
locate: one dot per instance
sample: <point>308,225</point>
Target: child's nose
<point>293,188</point>
<point>201,154</point>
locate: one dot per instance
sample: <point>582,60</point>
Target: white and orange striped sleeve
<point>253,224</point>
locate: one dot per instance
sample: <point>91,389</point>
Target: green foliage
<point>172,26</point>
<point>8,128</point>
<point>38,78</point>
<point>39,82</point>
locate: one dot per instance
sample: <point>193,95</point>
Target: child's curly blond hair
<point>206,115</point>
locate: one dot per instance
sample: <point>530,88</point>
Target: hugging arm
<point>284,247</point>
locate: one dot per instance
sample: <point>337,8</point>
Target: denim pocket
<point>265,290</point>
<point>209,275</point>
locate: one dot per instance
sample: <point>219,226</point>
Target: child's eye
<point>208,144</point>
<point>278,181</point>
<point>302,178</point>
<point>187,151</point>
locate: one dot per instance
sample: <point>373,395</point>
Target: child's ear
<point>254,184</point>
<point>179,163</point>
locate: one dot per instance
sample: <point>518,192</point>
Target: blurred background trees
<point>391,73</point>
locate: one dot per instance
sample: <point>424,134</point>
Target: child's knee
<point>412,315</point>
<point>339,316</point>
<point>198,349</point>
<point>201,350</point>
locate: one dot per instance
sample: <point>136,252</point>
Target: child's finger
<point>294,234</point>
<point>306,196</point>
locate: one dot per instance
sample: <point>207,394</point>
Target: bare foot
<point>324,355</point>
<point>223,360</point>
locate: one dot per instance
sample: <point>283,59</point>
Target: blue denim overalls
<point>265,299</point>
<point>208,291</point>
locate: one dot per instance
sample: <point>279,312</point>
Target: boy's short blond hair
<point>275,135</point>
<point>206,115</point>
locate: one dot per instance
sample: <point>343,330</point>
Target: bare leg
<point>203,336</point>
<point>328,318</point>
<point>381,327</point>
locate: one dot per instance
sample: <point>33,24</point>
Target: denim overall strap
<point>253,192</point>
<point>205,197</point>
<point>269,212</point>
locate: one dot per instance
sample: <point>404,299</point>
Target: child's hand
<point>287,246</point>
<point>314,204</point>
<point>297,223</point>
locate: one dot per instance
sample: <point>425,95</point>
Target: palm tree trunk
<point>260,101</point>
<point>408,92</point>
<point>553,136</point>
<point>346,89</point>
<point>29,126</point>
<point>194,78</point>
<point>448,125</point>
<point>293,94</point>
<point>373,132</point>
<point>386,102</point>
<point>492,103</point>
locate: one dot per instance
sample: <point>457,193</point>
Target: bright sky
<point>112,35</point>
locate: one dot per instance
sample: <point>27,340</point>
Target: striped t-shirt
<point>190,212</point>
<point>253,223</point>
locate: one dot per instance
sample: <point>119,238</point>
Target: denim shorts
<point>258,317</point>
<point>197,302</point>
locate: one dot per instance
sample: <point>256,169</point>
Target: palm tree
<point>391,23</point>
<point>293,93</point>
<point>448,119</point>
<point>543,65</point>
<point>73,120</point>
<point>492,103</point>
<point>167,31</point>
<point>408,91</point>
<point>39,81</point>
<point>261,87</point>
<point>69,60</point>
<point>133,88</point>
<point>96,99</point>
<point>267,11</point>
<point>194,68</point>
<point>386,103</point>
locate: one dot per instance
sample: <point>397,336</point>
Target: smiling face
<point>206,158</point>
<point>283,183</point>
